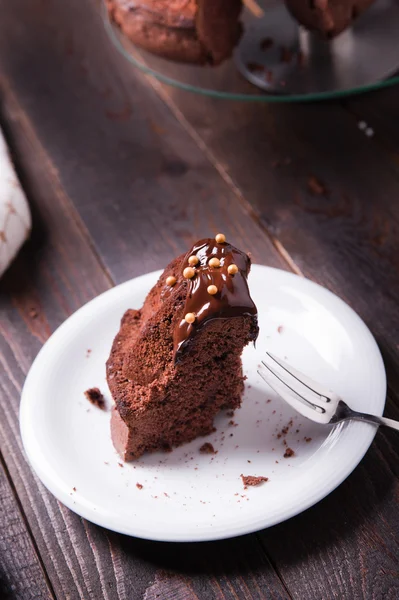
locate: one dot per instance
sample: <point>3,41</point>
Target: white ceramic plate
<point>188,496</point>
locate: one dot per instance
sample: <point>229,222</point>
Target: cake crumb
<point>280,329</point>
<point>120,465</point>
<point>266,43</point>
<point>95,397</point>
<point>254,67</point>
<point>285,54</point>
<point>230,413</point>
<point>288,453</point>
<point>207,448</point>
<point>139,486</point>
<point>252,480</point>
<point>316,187</point>
<point>74,489</point>
<point>308,439</point>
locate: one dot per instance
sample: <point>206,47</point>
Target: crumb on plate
<point>95,397</point>
<point>252,480</point>
<point>207,448</point>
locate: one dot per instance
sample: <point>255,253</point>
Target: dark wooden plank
<point>325,193</point>
<point>20,565</point>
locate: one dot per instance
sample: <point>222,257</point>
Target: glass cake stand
<point>279,61</point>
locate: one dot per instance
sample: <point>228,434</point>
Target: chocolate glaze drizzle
<point>232,300</point>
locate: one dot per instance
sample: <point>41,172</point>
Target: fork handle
<point>344,412</point>
<point>375,420</point>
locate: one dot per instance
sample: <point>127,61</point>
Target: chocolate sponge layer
<point>160,402</point>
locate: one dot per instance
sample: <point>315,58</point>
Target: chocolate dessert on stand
<point>327,17</point>
<point>176,362</point>
<point>191,31</point>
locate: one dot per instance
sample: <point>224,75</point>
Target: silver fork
<point>310,398</point>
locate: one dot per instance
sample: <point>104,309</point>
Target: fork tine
<point>304,408</point>
<point>295,387</point>
<point>324,393</point>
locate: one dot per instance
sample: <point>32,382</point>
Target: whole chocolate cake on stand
<point>176,362</point>
<point>189,31</point>
<point>293,49</point>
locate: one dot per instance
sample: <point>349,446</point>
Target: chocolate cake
<point>328,17</point>
<point>176,362</point>
<point>191,31</point>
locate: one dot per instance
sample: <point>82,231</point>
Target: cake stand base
<point>279,57</point>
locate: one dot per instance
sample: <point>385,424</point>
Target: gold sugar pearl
<point>189,318</point>
<point>220,238</point>
<point>188,272</point>
<point>193,260</point>
<point>170,280</point>
<point>214,262</point>
<point>232,269</point>
<point>212,290</point>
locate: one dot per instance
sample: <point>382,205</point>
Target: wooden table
<point>122,175</point>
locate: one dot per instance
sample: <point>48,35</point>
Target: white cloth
<point>15,217</point>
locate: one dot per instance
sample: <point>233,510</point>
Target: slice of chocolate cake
<point>176,362</point>
<point>191,31</point>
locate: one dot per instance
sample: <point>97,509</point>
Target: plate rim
<point>200,535</point>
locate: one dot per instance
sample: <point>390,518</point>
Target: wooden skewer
<point>254,8</point>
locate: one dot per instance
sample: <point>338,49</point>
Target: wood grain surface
<point>20,565</point>
<point>122,176</point>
